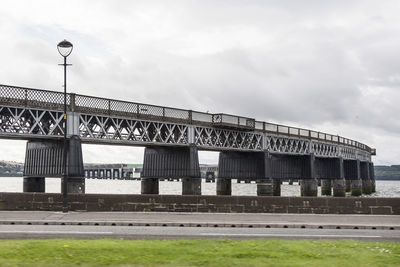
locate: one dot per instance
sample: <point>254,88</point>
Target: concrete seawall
<point>178,203</point>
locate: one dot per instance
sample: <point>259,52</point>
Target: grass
<point>64,252</point>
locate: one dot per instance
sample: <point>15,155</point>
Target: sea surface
<point>98,186</point>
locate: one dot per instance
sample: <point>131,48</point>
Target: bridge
<point>248,149</point>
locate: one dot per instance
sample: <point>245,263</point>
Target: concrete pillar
<point>348,185</point>
<point>74,185</point>
<point>191,186</point>
<point>34,184</point>
<point>264,188</point>
<point>224,187</point>
<point>339,187</point>
<point>326,187</point>
<point>373,186</point>
<point>276,187</point>
<point>149,186</point>
<point>372,176</point>
<point>356,187</point>
<point>309,188</point>
<point>366,186</point>
<point>352,172</point>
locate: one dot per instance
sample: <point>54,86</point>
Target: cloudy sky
<point>332,66</point>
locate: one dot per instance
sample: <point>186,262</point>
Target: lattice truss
<point>325,149</point>
<point>287,145</point>
<point>28,122</point>
<point>229,139</point>
<point>109,128</point>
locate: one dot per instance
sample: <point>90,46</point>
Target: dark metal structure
<point>264,151</point>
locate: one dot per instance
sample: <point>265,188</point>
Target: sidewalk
<point>328,221</point>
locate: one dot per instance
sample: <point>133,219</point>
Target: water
<point>96,186</point>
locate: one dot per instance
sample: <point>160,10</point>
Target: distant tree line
<point>387,172</point>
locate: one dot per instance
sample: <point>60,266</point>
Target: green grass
<point>197,253</point>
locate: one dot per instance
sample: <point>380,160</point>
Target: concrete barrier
<point>179,203</point>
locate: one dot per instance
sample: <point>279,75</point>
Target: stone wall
<point>178,203</point>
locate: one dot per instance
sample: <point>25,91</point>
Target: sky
<point>331,66</point>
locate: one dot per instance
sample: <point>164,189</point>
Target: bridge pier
<point>331,173</point>
<point>265,187</point>
<point>372,177</point>
<point>247,166</point>
<point>150,186</point>
<point>309,184</point>
<point>365,178</point>
<point>339,187</point>
<point>224,186</point>
<point>171,162</point>
<point>309,188</point>
<point>191,186</point>
<point>45,159</point>
<point>34,184</point>
<point>348,186</point>
<point>326,187</point>
<point>276,187</point>
<point>352,176</point>
<point>339,183</point>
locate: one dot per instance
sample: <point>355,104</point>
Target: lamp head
<point>65,48</point>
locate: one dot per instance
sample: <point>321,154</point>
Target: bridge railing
<point>37,98</point>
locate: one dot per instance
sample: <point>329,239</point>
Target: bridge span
<point>249,149</point>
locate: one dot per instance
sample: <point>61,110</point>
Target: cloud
<point>331,66</point>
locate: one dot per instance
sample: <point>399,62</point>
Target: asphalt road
<point>159,232</point>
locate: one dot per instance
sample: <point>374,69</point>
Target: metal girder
<point>31,123</point>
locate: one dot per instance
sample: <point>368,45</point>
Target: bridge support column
<point>331,173</point>
<point>245,166</point>
<point>150,186</point>
<point>339,187</point>
<point>308,186</point>
<point>365,178</point>
<point>191,186</point>
<point>348,185</point>
<point>352,176</point>
<point>224,187</point>
<point>45,158</point>
<point>264,187</point>
<point>372,177</point>
<point>326,187</point>
<point>356,187</point>
<point>276,185</point>
<point>171,162</point>
<point>339,183</point>
<point>34,184</point>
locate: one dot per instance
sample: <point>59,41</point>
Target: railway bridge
<point>248,149</point>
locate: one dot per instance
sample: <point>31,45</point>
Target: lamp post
<point>65,49</point>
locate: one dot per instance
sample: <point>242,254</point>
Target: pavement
<point>249,220</point>
<point>158,225</point>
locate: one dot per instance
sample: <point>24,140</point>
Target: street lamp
<point>65,49</point>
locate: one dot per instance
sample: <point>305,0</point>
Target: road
<point>159,232</point>
<point>160,225</point>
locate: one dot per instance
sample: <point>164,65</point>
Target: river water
<point>97,186</point>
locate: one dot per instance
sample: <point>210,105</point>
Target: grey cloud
<point>330,65</point>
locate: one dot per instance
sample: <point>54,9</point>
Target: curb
<point>200,224</point>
